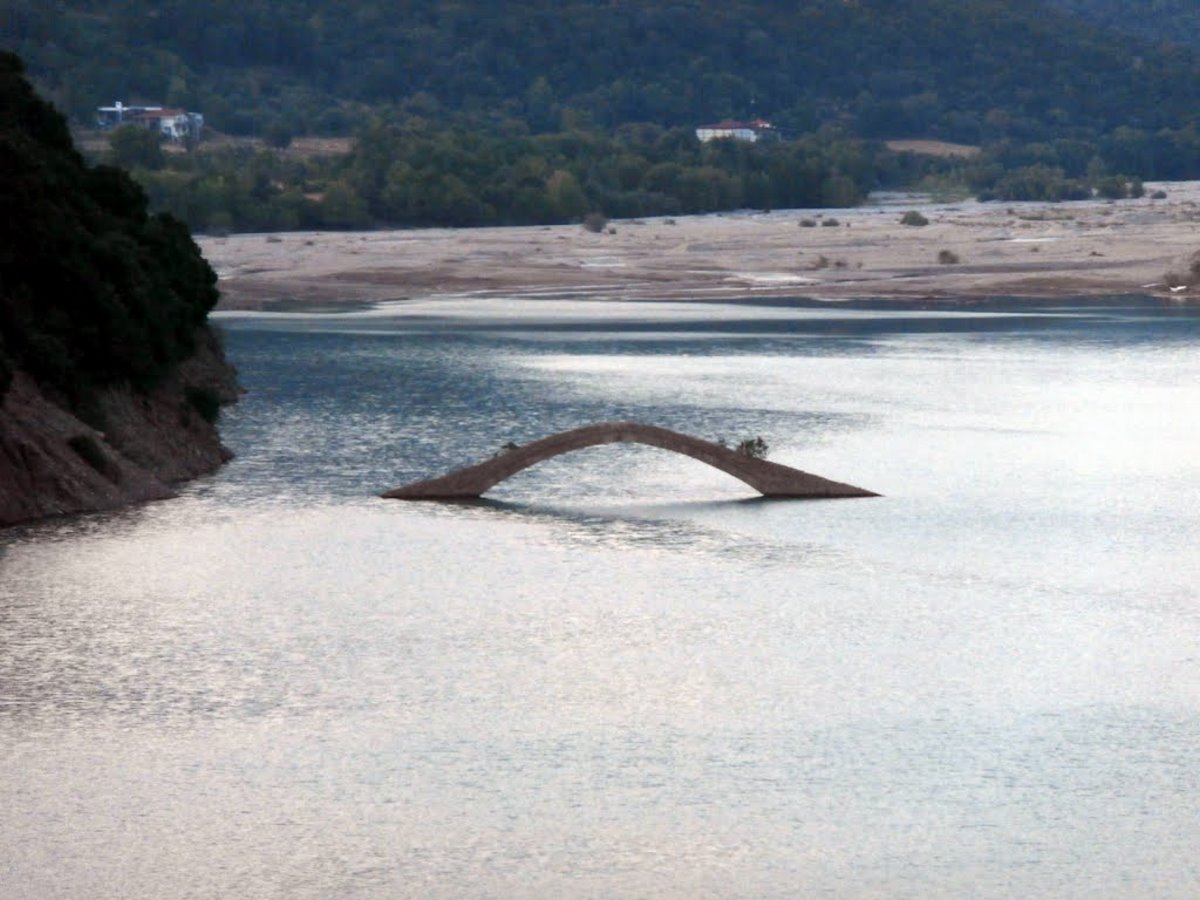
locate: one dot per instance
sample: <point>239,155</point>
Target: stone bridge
<point>768,478</point>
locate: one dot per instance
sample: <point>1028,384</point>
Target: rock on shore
<point>52,463</point>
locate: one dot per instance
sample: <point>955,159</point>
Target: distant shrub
<point>1040,183</point>
<point>135,147</point>
<point>595,222</point>
<point>278,134</point>
<point>1110,188</point>
<point>755,448</point>
<point>808,223</point>
<point>1188,279</point>
<point>947,257</point>
<point>830,223</point>
<point>1159,195</point>
<point>912,217</point>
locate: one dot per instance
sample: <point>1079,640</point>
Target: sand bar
<point>968,250</point>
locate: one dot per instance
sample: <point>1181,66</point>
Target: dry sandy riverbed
<point>1014,249</point>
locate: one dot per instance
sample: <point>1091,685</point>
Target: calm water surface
<point>622,675</point>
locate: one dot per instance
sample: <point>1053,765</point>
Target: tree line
<point>419,173</point>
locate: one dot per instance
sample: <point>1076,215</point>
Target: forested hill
<point>964,70</point>
<point>1157,21</point>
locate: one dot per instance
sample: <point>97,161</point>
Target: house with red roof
<point>173,124</point>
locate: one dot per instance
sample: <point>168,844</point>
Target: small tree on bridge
<point>755,447</point>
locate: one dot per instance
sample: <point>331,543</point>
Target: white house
<point>753,131</point>
<point>173,124</point>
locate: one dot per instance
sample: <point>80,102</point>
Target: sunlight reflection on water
<point>622,674</point>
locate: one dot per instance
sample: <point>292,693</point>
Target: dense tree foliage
<point>468,112</point>
<point>93,290</point>
<point>1169,21</point>
<point>967,70</point>
<point>419,173</point>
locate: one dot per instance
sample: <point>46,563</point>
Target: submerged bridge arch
<point>768,478</point>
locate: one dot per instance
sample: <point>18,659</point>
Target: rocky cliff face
<point>51,462</point>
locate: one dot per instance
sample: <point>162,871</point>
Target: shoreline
<point>969,251</point>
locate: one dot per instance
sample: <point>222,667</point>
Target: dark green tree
<point>93,289</point>
<point>135,147</point>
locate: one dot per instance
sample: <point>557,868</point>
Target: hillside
<point>962,70</point>
<point>534,111</point>
<point>110,379</point>
<point>1155,21</point>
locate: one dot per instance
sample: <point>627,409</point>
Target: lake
<point>621,675</point>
